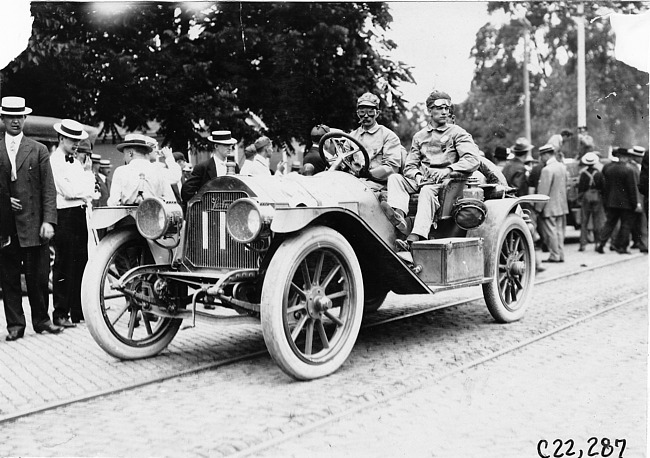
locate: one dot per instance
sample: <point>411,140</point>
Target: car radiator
<point>207,242</point>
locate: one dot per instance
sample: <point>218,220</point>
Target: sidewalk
<point>42,370</point>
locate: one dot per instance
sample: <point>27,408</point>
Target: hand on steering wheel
<point>346,149</point>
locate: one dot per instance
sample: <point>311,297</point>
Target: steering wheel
<point>345,148</point>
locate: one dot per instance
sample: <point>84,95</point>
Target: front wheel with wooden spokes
<point>116,320</point>
<point>312,303</point>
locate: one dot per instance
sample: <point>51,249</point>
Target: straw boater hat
<point>135,140</point>
<point>590,158</point>
<point>222,137</point>
<point>14,106</point>
<point>546,149</point>
<point>637,151</point>
<point>71,129</point>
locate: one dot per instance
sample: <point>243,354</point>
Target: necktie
<point>12,157</point>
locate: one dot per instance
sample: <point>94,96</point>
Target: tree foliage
<point>617,94</point>
<point>291,64</point>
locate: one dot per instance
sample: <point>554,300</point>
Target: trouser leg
<point>400,189</point>
<point>549,233</point>
<point>10,267</point>
<point>37,266</point>
<point>427,206</point>
<point>585,214</point>
<point>612,217</point>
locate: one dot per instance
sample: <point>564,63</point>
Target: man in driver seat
<point>381,143</point>
<point>437,150</point>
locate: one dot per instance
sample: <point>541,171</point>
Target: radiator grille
<point>207,242</point>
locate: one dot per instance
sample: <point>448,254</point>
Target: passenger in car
<point>139,179</point>
<point>436,151</point>
<point>381,143</point>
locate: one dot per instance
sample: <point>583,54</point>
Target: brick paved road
<point>587,381</point>
<point>239,406</point>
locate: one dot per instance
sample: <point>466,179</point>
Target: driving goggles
<point>441,103</point>
<point>366,111</point>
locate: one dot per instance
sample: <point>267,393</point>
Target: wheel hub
<point>517,268</point>
<point>317,302</point>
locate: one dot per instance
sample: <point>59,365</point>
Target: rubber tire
<point>92,290</point>
<point>498,307</point>
<point>373,302</point>
<point>280,274</point>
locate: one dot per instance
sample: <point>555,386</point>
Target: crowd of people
<point>40,191</point>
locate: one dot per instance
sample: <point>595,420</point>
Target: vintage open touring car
<point>305,255</point>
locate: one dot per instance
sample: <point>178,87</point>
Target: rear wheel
<point>312,303</point>
<point>116,321</point>
<point>506,295</point>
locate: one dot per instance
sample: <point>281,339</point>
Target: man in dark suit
<point>620,199</point>
<point>213,167</point>
<point>515,169</point>
<point>25,171</point>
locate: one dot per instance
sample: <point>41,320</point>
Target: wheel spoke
<point>334,318</point>
<point>295,288</point>
<point>309,337</point>
<point>297,306</point>
<point>299,326</point>
<point>305,273</point>
<point>134,315</point>
<point>323,336</point>
<point>319,268</point>
<point>343,293</point>
<point>330,275</point>
<point>147,324</point>
<point>119,315</point>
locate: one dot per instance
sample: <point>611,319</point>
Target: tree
<point>292,64</point>
<point>616,93</point>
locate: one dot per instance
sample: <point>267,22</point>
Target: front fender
<point>103,217</point>
<point>381,266</point>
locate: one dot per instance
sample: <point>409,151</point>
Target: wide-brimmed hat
<point>546,149</point>
<point>521,146</point>
<point>71,129</point>
<point>223,137</point>
<point>135,140</point>
<point>368,99</point>
<point>85,147</point>
<point>590,158</point>
<point>14,106</point>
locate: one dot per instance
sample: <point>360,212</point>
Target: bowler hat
<point>71,129</point>
<point>223,137</point>
<point>521,146</point>
<point>501,153</point>
<point>139,140</point>
<point>590,158</point>
<point>14,106</point>
<point>368,99</point>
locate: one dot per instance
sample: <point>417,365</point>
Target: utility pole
<point>526,23</point>
<point>582,98</point>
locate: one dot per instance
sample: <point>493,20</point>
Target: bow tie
<point>69,158</point>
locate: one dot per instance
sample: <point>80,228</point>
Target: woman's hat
<point>71,129</point>
<point>14,106</point>
<point>135,140</point>
<point>223,137</point>
<point>590,158</point>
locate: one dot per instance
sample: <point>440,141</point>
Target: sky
<point>435,38</point>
